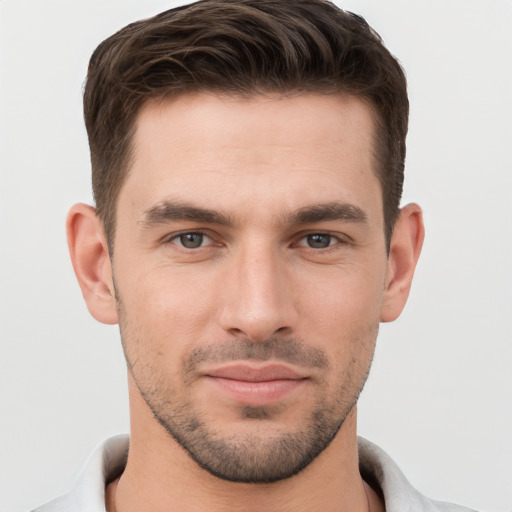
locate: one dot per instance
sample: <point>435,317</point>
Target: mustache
<point>287,350</point>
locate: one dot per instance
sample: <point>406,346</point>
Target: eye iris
<point>319,241</point>
<point>191,240</point>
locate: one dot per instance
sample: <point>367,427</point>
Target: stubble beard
<point>258,456</point>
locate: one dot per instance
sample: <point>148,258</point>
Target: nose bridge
<point>258,302</point>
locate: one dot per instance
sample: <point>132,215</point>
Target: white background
<point>439,398</point>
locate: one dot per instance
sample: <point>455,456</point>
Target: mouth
<point>256,385</point>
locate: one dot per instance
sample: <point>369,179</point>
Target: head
<point>241,48</point>
<point>247,168</point>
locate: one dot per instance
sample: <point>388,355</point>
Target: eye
<point>191,240</point>
<point>318,241</point>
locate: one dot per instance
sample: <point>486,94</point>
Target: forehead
<point>271,149</point>
<point>217,120</point>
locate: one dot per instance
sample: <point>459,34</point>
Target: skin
<point>266,273</point>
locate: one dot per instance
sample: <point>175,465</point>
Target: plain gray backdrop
<point>439,396</point>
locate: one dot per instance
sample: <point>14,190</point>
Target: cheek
<point>341,312</point>
<point>167,306</point>
<point>343,297</point>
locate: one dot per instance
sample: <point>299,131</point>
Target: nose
<point>257,302</point>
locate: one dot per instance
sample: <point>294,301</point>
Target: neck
<point>161,476</point>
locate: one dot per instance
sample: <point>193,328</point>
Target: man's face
<point>249,268</point>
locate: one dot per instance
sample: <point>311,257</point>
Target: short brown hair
<point>243,48</point>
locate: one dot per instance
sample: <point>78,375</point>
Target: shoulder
<point>380,471</point>
<point>104,464</point>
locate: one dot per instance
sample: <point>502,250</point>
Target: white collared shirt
<point>109,459</point>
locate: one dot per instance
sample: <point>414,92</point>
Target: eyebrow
<point>329,211</point>
<point>169,211</point>
<point>175,211</point>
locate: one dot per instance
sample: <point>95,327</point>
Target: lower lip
<point>258,393</point>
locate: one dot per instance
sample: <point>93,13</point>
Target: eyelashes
<point>193,240</point>
<point>318,241</point>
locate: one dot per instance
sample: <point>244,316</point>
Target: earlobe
<point>405,249</point>
<point>91,262</point>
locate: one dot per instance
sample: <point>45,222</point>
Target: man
<point>247,170</point>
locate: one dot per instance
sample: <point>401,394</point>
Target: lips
<point>253,385</point>
<point>249,373</point>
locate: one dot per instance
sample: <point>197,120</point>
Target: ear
<point>91,262</point>
<point>405,248</point>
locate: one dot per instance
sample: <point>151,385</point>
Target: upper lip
<point>251,373</point>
